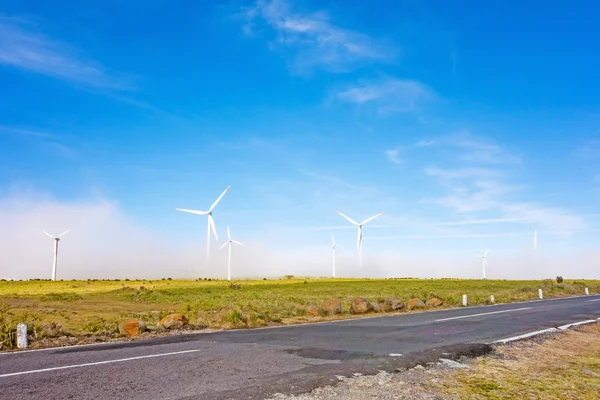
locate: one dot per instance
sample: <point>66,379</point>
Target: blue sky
<point>469,124</point>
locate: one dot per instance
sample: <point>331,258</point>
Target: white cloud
<point>24,46</point>
<point>388,95</point>
<point>313,39</point>
<point>394,155</point>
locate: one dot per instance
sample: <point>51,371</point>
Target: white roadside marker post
<point>492,298</point>
<point>540,293</point>
<point>464,302</point>
<point>587,291</point>
<point>22,336</point>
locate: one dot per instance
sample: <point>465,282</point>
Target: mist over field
<point>107,243</point>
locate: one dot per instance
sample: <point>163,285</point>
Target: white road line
<point>526,335</point>
<point>96,363</point>
<point>567,326</point>
<point>478,315</point>
<point>593,300</point>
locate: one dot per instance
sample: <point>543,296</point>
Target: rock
<point>313,310</point>
<point>434,302</point>
<point>360,306</point>
<point>589,372</point>
<point>392,304</point>
<point>332,306</point>
<point>173,321</point>
<point>132,327</point>
<point>415,303</point>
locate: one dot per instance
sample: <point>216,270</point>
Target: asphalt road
<point>255,364</point>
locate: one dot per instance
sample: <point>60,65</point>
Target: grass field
<point>566,366</point>
<point>96,307</point>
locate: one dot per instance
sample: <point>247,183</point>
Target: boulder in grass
<point>332,306</point>
<point>415,303</point>
<point>173,321</point>
<point>132,327</point>
<point>434,302</point>
<point>392,304</point>
<point>360,306</point>
<point>313,310</point>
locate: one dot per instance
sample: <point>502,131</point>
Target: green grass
<point>84,307</point>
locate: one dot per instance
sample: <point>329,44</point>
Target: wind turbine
<point>334,245</point>
<point>56,240</point>
<point>535,239</point>
<point>228,243</point>
<point>360,232</point>
<point>484,262</point>
<point>211,222</point>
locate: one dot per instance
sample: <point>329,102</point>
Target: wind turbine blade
<point>224,244</point>
<point>192,211</point>
<point>228,233</point>
<point>485,254</point>
<point>64,233</point>
<point>211,222</point>
<point>372,218</point>
<point>49,235</point>
<point>348,218</point>
<point>236,242</point>
<point>219,199</point>
<point>333,239</point>
<point>359,237</point>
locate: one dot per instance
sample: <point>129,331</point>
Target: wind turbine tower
<point>228,244</point>
<point>211,222</point>
<point>484,262</point>
<point>360,225</point>
<point>56,240</point>
<point>334,245</point>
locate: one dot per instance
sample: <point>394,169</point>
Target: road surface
<point>257,363</point>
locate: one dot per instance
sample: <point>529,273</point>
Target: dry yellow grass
<point>564,367</point>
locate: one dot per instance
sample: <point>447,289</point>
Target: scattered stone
<point>132,327</point>
<point>392,304</point>
<point>419,367</point>
<point>452,364</point>
<point>332,306</point>
<point>589,372</point>
<point>395,355</point>
<point>434,302</point>
<point>313,310</point>
<point>415,303</point>
<point>360,306</point>
<point>173,321</point>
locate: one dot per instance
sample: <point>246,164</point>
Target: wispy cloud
<point>483,221</point>
<point>462,173</point>
<point>482,151</point>
<point>589,150</point>
<point>388,95</point>
<point>312,39</point>
<point>394,155</point>
<point>24,46</point>
<point>463,236</point>
<point>26,132</point>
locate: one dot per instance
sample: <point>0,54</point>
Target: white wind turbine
<point>535,239</point>
<point>211,222</point>
<point>229,243</point>
<point>334,245</point>
<point>360,232</point>
<point>484,263</point>
<point>56,240</point>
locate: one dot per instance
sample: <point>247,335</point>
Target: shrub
<point>559,279</point>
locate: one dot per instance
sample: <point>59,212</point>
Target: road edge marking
<point>529,335</point>
<point>34,371</point>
